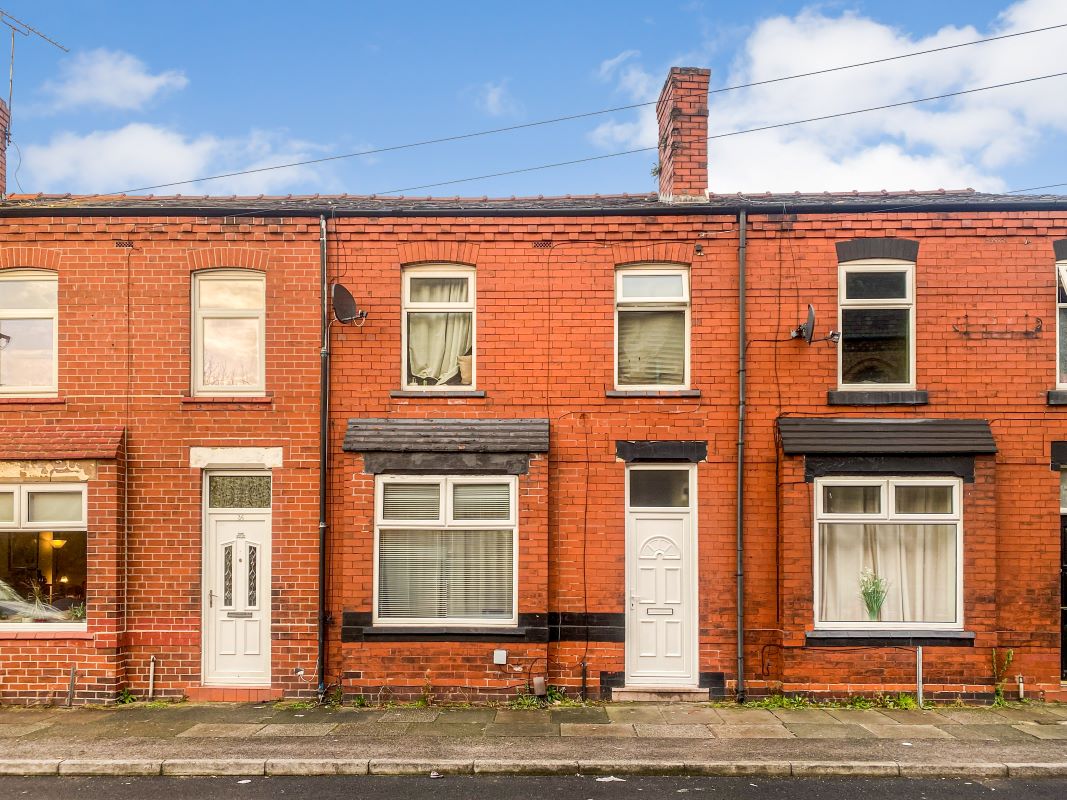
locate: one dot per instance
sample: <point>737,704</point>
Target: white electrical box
<point>500,656</point>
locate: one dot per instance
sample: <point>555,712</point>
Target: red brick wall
<point>134,370</point>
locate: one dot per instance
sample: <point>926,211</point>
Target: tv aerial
<point>806,330</point>
<point>345,309</point>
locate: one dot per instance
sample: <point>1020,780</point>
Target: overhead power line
<point>730,133</point>
<point>570,117</point>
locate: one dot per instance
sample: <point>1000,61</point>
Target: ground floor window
<point>445,550</point>
<point>888,553</point>
<point>43,545</point>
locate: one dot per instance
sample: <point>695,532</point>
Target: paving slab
<point>839,730</point>
<point>747,716</point>
<point>482,715</point>
<point>678,715</point>
<point>410,715</point>
<point>748,731</point>
<point>857,716</point>
<point>12,730</point>
<point>588,716</point>
<point>1025,714</point>
<point>907,717</point>
<point>520,729</point>
<point>983,733</point>
<point>648,714</point>
<point>522,716</point>
<point>970,716</point>
<point>221,731</point>
<point>807,715</point>
<point>372,729</point>
<point>1042,731</point>
<point>907,732</point>
<point>448,729</point>
<point>297,729</point>
<point>594,729</point>
<point>650,730</point>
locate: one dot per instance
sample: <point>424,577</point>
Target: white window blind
<point>411,501</point>
<point>446,574</point>
<point>481,501</point>
<point>651,328</point>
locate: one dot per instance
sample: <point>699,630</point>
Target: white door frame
<point>267,564</point>
<point>691,573</point>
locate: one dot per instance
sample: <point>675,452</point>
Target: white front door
<point>661,618</point>
<point>237,600</point>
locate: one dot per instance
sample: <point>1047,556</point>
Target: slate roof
<point>53,442</point>
<point>821,436</point>
<point>387,205</point>
<point>378,434</point>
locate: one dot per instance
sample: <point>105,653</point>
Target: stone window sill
<point>439,394</point>
<point>21,403</point>
<point>875,397</point>
<point>889,638</point>
<point>8,632</point>
<point>623,393</point>
<point>228,402</point>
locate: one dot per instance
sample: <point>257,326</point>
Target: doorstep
<point>233,694</point>
<point>660,694</point>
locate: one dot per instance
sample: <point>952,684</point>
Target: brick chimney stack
<point>682,114</point>
<point>5,137</point>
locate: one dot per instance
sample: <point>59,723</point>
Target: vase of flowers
<point>873,590</point>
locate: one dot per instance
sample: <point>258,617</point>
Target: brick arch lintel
<point>672,252</point>
<point>873,247</point>
<point>228,257</point>
<point>410,253</point>
<point>1059,247</point>
<point>29,258</point>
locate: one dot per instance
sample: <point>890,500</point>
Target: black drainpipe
<point>742,243</point>
<point>324,452</point>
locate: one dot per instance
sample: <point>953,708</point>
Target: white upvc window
<point>29,333</point>
<point>888,553</point>
<point>1061,325</point>
<point>651,327</point>
<point>43,556</point>
<point>446,550</point>
<point>877,325</point>
<point>438,328</point>
<point>229,331</point>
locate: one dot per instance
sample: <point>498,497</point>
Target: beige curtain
<point>651,348</point>
<point>437,339</point>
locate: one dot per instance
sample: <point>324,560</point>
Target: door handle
<point>210,599</point>
<point>633,601</point>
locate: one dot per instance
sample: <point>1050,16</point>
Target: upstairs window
<point>29,339</point>
<point>438,328</point>
<point>652,328</point>
<point>43,555</point>
<point>1061,324</point>
<point>446,550</point>
<point>888,553</point>
<point>877,325</point>
<point>229,320</point>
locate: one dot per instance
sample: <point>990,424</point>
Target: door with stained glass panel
<point>237,581</point>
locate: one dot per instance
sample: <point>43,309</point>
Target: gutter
<point>324,453</point>
<point>742,346</point>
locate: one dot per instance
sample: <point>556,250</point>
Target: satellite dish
<point>807,329</point>
<point>345,309</point>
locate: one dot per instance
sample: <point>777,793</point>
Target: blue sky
<point>155,92</point>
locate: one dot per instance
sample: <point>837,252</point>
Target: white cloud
<point>962,141</point>
<point>609,65</point>
<point>109,79</point>
<point>496,100</point>
<point>140,154</point>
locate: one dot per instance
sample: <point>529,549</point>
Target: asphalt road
<point>527,788</point>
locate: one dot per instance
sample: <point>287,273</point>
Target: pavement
<point>194,739</point>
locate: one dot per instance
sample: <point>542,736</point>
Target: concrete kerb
<point>306,767</point>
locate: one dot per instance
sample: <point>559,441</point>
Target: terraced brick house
<point>596,441</point>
